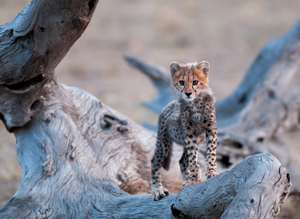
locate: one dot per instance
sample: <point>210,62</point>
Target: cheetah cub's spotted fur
<point>188,122</point>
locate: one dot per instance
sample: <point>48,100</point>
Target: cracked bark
<point>76,154</point>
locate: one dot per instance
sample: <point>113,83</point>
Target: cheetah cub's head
<point>190,79</point>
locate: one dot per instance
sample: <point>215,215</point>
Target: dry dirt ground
<point>228,34</point>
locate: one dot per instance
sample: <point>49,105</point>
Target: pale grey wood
<point>66,158</point>
<point>32,45</point>
<point>247,191</point>
<point>255,188</point>
<point>79,158</point>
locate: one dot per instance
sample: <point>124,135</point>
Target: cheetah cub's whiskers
<point>188,121</point>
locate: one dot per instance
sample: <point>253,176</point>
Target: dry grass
<point>291,208</point>
<point>228,34</point>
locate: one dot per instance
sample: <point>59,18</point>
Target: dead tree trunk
<point>78,156</point>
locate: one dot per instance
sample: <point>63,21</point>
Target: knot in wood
<point>107,121</point>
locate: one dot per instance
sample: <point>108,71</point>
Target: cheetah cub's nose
<point>188,94</point>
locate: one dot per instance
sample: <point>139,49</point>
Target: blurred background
<point>228,34</point>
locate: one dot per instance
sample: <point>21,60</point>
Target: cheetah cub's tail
<point>167,160</point>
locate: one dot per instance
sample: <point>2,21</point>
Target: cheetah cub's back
<point>189,121</point>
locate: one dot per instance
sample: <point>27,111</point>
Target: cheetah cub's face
<point>189,79</point>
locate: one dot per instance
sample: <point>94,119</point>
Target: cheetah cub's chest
<point>183,121</point>
<point>193,116</point>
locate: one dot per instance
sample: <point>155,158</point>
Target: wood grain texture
<point>79,158</point>
<point>32,45</point>
<point>247,191</point>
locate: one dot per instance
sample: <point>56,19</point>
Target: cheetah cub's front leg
<point>161,158</point>
<point>212,134</point>
<point>191,149</point>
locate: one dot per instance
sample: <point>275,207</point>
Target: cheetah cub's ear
<point>174,67</point>
<point>204,65</point>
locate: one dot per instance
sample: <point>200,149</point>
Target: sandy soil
<point>228,34</point>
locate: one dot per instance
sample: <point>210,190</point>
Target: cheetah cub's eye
<point>195,83</point>
<point>181,83</point>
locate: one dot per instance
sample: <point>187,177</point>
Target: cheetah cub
<point>187,122</point>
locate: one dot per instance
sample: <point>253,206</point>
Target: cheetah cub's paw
<point>159,193</point>
<point>211,174</point>
<point>190,182</point>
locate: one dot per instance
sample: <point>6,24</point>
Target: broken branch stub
<point>31,46</point>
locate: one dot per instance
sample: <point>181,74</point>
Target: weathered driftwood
<point>243,193</point>
<point>252,118</point>
<point>247,191</point>
<point>77,154</point>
